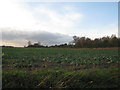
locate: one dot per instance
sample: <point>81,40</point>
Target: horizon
<point>68,43</point>
<point>56,22</point>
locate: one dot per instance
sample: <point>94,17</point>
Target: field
<point>60,68</point>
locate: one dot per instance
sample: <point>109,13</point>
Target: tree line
<point>85,42</point>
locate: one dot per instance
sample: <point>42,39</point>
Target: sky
<point>55,22</point>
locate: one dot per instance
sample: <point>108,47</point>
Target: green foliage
<point>90,78</point>
<point>19,68</point>
<point>29,57</point>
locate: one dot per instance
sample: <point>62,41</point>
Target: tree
<point>39,43</point>
<point>114,41</point>
<point>75,39</point>
<point>88,42</point>
<point>29,43</point>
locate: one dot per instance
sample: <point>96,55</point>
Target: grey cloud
<point>46,38</point>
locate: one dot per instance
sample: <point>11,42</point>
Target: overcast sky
<point>56,22</point>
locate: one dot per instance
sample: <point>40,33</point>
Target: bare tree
<point>29,43</point>
<point>75,39</point>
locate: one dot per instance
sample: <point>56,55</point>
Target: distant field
<point>70,63</point>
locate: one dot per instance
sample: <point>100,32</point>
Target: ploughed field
<point>60,68</point>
